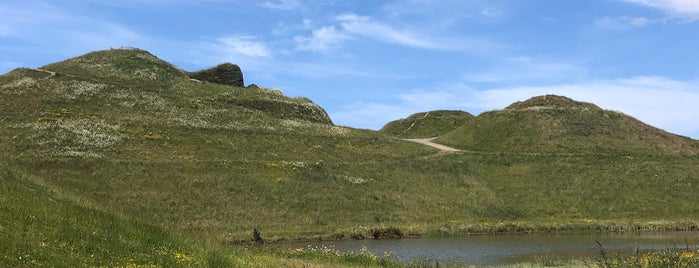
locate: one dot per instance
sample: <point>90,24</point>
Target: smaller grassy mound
<point>556,124</point>
<point>427,124</point>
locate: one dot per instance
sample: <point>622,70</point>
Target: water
<point>510,249</point>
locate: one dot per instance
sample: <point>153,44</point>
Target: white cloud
<point>283,4</point>
<point>243,45</point>
<point>621,22</point>
<point>368,27</point>
<point>321,40</point>
<point>449,11</point>
<point>682,8</point>
<point>362,25</point>
<point>660,102</point>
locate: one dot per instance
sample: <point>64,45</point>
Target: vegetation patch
<point>427,124</point>
<point>386,232</point>
<point>670,257</point>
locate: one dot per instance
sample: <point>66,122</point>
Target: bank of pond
<point>585,249</point>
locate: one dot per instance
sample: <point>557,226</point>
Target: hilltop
<point>119,158</point>
<point>427,124</point>
<point>123,66</point>
<point>557,124</point>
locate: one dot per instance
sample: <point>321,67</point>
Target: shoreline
<point>499,228</point>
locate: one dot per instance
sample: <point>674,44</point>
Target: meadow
<point>118,159</point>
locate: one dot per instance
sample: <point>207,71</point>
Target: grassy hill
<point>117,151</point>
<point>556,124</point>
<point>427,124</point>
<point>44,226</point>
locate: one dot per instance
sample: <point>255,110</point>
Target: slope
<point>427,124</point>
<point>555,124</point>
<point>43,227</point>
<point>200,158</point>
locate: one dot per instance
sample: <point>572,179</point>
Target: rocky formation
<point>226,73</point>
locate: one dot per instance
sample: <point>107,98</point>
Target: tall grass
<point>667,258</point>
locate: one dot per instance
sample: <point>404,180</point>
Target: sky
<point>371,62</point>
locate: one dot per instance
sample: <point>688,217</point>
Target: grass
<point>427,124</point>
<point>163,165</point>
<point>670,257</point>
<point>41,227</point>
<point>563,126</point>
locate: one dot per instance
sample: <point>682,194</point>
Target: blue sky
<point>370,62</point>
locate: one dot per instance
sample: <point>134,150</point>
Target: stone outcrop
<point>226,73</point>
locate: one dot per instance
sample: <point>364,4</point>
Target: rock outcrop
<point>226,73</point>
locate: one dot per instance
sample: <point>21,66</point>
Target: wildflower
<point>688,255</point>
<point>182,258</point>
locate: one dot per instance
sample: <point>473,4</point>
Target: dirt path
<point>428,142</point>
<point>51,74</point>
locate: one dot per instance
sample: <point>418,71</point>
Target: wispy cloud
<point>283,4</point>
<point>661,102</point>
<point>351,25</point>
<point>450,10</point>
<point>368,27</point>
<point>682,8</point>
<point>321,40</point>
<point>621,22</point>
<point>365,26</point>
<point>243,45</point>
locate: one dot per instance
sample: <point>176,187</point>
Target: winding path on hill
<point>428,142</point>
<point>51,74</point>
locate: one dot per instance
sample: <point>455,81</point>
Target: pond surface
<point>511,249</point>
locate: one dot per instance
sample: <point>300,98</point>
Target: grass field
<point>118,152</point>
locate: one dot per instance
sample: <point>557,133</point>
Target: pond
<point>511,249</point>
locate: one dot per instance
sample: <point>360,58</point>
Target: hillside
<point>427,124</point>
<point>189,156</point>
<point>556,124</point>
<point>117,151</point>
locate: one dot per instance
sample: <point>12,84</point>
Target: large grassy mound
<point>200,157</point>
<point>427,124</point>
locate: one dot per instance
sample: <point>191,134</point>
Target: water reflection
<point>509,249</point>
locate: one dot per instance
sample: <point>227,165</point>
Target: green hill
<point>117,151</point>
<point>127,67</point>
<point>555,124</point>
<point>197,159</point>
<point>427,124</point>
